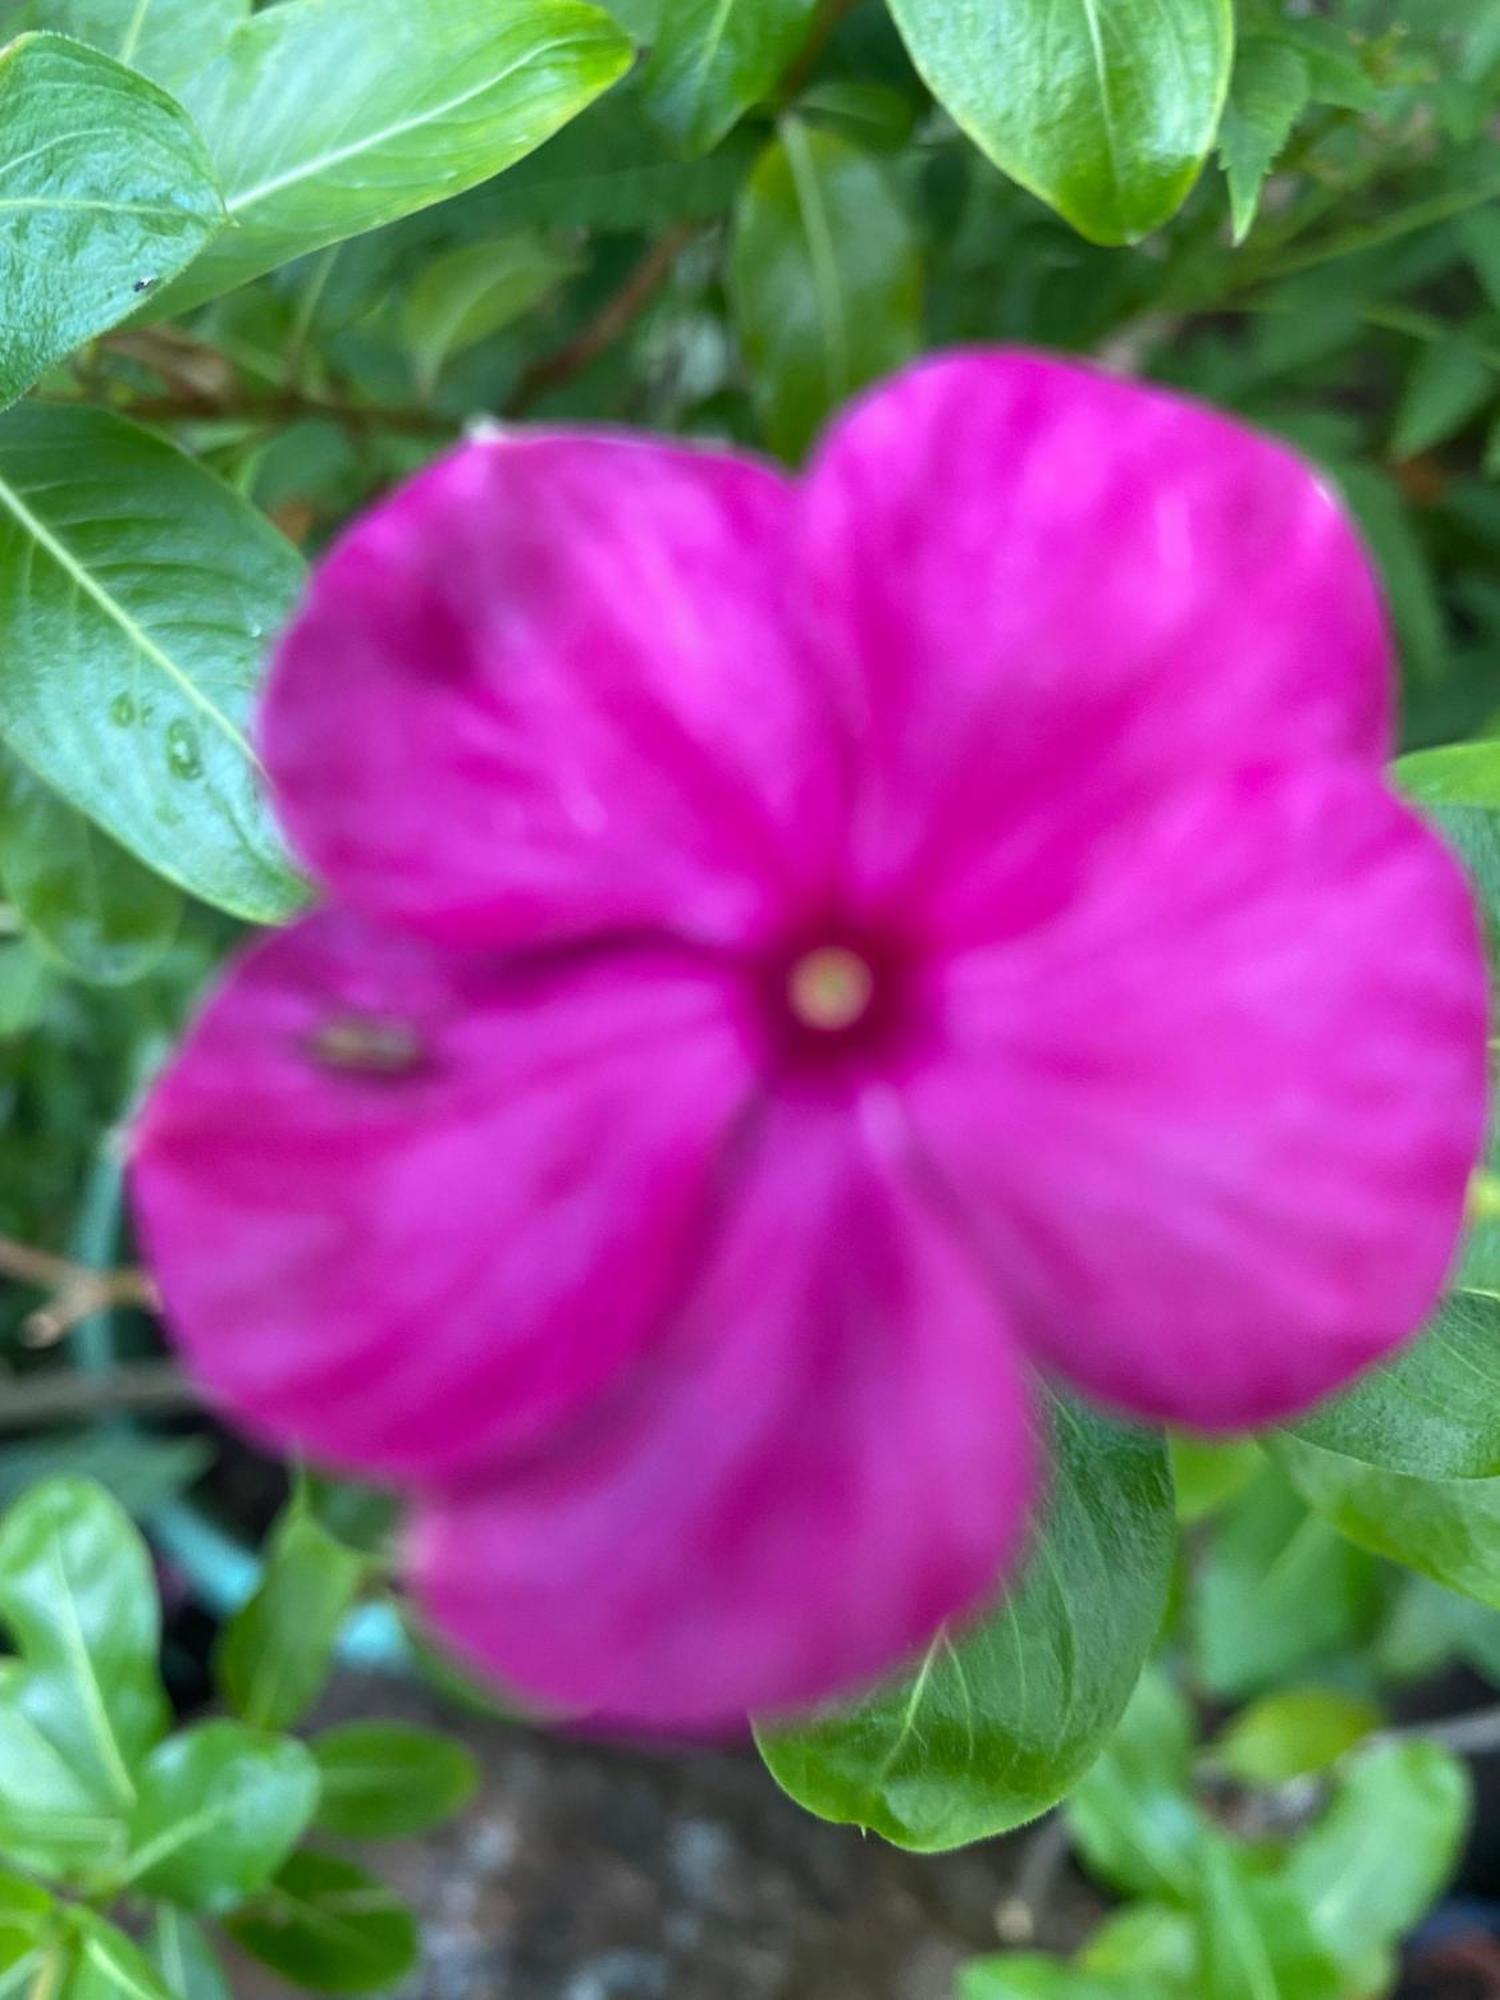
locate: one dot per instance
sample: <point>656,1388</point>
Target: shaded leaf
<point>388,1780</point>
<point>278,1650</point>
<point>328,1925</point>
<point>711,60</point>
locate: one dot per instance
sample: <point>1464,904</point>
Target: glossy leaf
<point>326,118</point>
<point>328,1925</point>
<point>1459,774</point>
<point>170,40</point>
<point>105,192</point>
<point>1000,1721</point>
<point>78,1598</point>
<point>138,596</point>
<point>1293,1734</point>
<point>388,1780</point>
<point>711,60</point>
<point>79,894</point>
<point>184,1959</point>
<point>826,280</point>
<point>219,1810</point>
<point>278,1650</point>
<point>1105,111</point>
<point>474,291</point>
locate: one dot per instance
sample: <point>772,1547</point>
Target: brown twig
<point>75,1293</point>
<point>613,319</point>
<point>60,1396</point>
<point>819,35</point>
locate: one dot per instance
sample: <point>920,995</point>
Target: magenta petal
<point>547,692</point>
<point>1214,1126</point>
<point>407,1211</point>
<point>1048,595</point>
<point>832,1459</point>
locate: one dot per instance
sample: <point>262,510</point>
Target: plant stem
<point>819,35</point>
<point>59,1396</point>
<point>75,1292</point>
<point>613,319</point>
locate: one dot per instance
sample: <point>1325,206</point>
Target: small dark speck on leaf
<point>146,284</point>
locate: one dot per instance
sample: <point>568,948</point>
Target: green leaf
<point>825,277</point>
<point>1448,386</point>
<point>1404,565</point>
<point>170,40</point>
<point>1210,1472</point>
<point>27,1923</point>
<point>1256,1936</point>
<point>278,1650</point>
<point>1372,1867</point>
<point>105,192</point>
<point>1293,1734</point>
<point>386,1780</point>
<point>137,599</point>
<point>104,1964</point>
<point>1268,93</point>
<point>1277,1590</point>
<point>711,60</point>
<point>472,292</point>
<point>183,1957</point>
<point>1105,111</point>
<point>326,118</point>
<point>1459,774</point>
<point>139,1469</point>
<point>1145,1939</point>
<point>608,171</point>
<point>79,894</point>
<point>330,1926</point>
<point>78,1597</point>
<point>1000,1721</point>
<point>1132,1815</point>
<point>220,1809</point>
<point>1026,1976</point>
<point>25,982</point>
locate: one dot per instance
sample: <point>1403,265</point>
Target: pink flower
<point>802,955</point>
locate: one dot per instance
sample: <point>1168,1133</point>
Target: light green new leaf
<point>79,894</point>
<point>1371,1868</point>
<point>330,1926</point>
<point>1029,1976</point>
<point>1293,1734</point>
<point>1458,774</point>
<point>826,280</point>
<point>1269,92</point>
<point>472,292</point>
<point>219,1810</point>
<point>170,40</point>
<point>711,60</point>
<point>27,1932</point>
<point>388,1780</point>
<point>103,1964</point>
<point>1105,108</point>
<point>326,118</point>
<point>78,1598</point>
<point>1256,1936</point>
<point>278,1649</point>
<point>1000,1721</point>
<point>106,192</point>
<point>138,598</point>
<point>1133,1816</point>
<point>183,1957</point>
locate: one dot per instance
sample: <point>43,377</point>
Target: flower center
<point>830,989</point>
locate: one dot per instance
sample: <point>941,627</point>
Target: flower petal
<point>407,1211</point>
<point>1213,1127</point>
<point>546,692</point>
<point>834,1459</point>
<point>1047,595</point>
